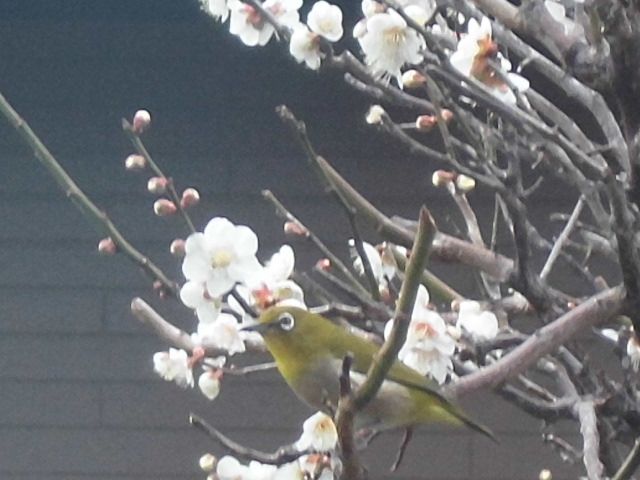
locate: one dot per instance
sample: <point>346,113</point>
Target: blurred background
<point>78,397</point>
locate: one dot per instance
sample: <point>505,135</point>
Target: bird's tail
<point>472,424</point>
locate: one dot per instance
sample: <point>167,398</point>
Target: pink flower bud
<point>425,123</point>
<point>141,121</point>
<point>447,115</point>
<point>157,185</point>
<point>465,184</point>
<point>295,229</point>
<point>135,162</point>
<point>208,462</point>
<point>323,264</point>
<point>190,198</point>
<point>107,246</point>
<point>177,248</point>
<point>413,79</point>
<point>163,207</point>
<point>442,178</point>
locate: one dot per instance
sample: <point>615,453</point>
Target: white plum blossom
<point>221,256</point>
<point>480,324</point>
<point>429,347</point>
<point>218,9</point>
<point>229,468</point>
<point>382,265</point>
<point>209,380</point>
<point>247,23</point>
<point>319,433</point>
<point>223,333</point>
<point>174,366</point>
<point>305,47</point>
<point>374,115</point>
<point>194,295</point>
<point>472,58</point>
<point>389,43</point>
<point>209,383</point>
<point>272,285</point>
<point>259,471</point>
<point>326,20</point>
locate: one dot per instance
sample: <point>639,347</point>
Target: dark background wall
<point>78,399</point>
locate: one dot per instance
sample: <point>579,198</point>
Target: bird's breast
<point>319,386</point>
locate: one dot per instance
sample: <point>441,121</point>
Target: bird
<point>309,351</point>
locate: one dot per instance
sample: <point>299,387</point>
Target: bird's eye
<point>286,321</point>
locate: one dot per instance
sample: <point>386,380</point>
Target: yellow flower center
<point>395,35</point>
<point>221,259</point>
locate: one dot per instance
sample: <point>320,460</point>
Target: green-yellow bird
<point>309,350</point>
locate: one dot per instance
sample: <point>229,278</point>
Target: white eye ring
<point>286,321</point>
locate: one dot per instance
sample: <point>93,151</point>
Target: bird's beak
<point>257,327</point>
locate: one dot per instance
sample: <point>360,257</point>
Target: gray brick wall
<point>78,400</point>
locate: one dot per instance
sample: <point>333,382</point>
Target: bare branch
<point>98,218</point>
<point>280,457</point>
<point>595,310</point>
<point>175,336</point>
<point>562,238</point>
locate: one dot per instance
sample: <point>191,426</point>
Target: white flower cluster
<point>221,258</point>
<point>387,42</point>
<point>319,435</point>
<point>430,343</point>
<point>474,55</point>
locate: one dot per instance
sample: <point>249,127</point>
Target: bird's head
<point>292,331</point>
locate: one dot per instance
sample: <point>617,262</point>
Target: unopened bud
<point>141,121</point>
<point>177,248</point>
<point>447,115</point>
<point>442,178</point>
<point>107,246</point>
<point>323,264</point>
<point>296,229</point>
<point>208,462</point>
<point>135,162</point>
<point>374,115</point>
<point>413,79</point>
<point>425,123</point>
<point>545,475</point>
<point>190,198</point>
<point>163,207</point>
<point>465,184</point>
<point>157,185</point>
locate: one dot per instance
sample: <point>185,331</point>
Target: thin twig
<point>630,464</point>
<point>175,336</point>
<point>345,416</point>
<point>562,238</point>
<point>384,358</point>
<point>406,438</point>
<point>286,215</point>
<point>248,369</point>
<point>590,438</point>
<point>279,457</point>
<point>299,130</point>
<point>595,310</point>
<point>171,189</point>
<point>97,217</point>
